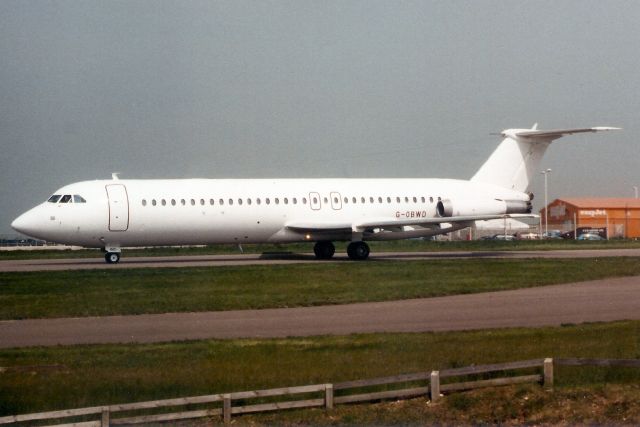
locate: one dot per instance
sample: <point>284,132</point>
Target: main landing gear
<point>324,250</point>
<point>357,251</point>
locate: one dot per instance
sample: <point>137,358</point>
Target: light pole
<point>546,203</point>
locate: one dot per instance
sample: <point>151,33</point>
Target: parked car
<point>552,234</point>
<point>528,236</point>
<point>590,236</point>
<point>503,237</point>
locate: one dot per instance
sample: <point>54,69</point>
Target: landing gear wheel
<point>112,257</point>
<point>324,250</point>
<point>358,251</point>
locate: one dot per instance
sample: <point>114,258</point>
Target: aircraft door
<point>336,201</point>
<point>118,207</point>
<point>314,201</point>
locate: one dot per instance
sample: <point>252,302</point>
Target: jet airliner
<point>116,213</point>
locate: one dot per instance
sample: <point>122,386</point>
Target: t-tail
<point>517,158</point>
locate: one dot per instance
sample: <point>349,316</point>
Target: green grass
<point>148,290</point>
<point>398,245</point>
<point>109,374</point>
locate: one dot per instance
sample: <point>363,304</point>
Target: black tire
<point>358,251</point>
<point>112,257</point>
<point>324,250</point>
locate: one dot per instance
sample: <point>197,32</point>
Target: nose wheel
<point>358,251</point>
<point>112,257</point>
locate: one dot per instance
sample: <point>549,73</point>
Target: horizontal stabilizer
<point>549,135</point>
<point>517,158</point>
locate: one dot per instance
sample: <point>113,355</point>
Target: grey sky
<point>311,89</point>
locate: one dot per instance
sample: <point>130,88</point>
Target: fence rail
<point>327,399</point>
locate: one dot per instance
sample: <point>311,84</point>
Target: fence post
<point>435,385</point>
<point>548,373</point>
<point>226,408</point>
<point>104,422</point>
<point>328,396</point>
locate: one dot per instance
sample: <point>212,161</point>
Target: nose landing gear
<point>111,254</point>
<point>112,257</point>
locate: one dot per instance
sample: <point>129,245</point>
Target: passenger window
<point>277,201</point>
<point>397,199</point>
<point>354,200</point>
<point>193,202</point>
<point>153,202</point>
<point>78,199</point>
<point>315,201</point>
<point>304,200</point>
<point>66,199</point>
<point>183,202</point>
<point>431,199</point>
<point>230,202</point>
<point>201,202</point>
<point>267,201</point>
<point>211,202</point>
<point>286,201</point>
<point>173,202</point>
<point>370,199</point>
<point>144,202</point>
<point>406,199</point>
<point>388,199</point>
<point>346,200</point>
<point>240,201</point>
<point>379,199</point>
<point>295,201</point>
<point>335,200</point>
<point>221,202</point>
<point>362,200</point>
<point>258,200</point>
<point>54,198</point>
<point>415,200</point>
<point>326,200</point>
<point>164,202</point>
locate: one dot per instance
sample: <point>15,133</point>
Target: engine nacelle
<point>448,208</point>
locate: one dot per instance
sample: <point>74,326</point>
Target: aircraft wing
<point>306,227</point>
<point>385,222</point>
<point>426,222</point>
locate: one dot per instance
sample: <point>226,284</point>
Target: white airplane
<point>112,214</point>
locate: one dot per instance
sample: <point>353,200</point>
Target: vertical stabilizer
<point>518,156</point>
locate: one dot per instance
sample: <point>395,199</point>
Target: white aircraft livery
<point>116,213</point>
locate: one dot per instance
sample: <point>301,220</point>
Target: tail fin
<point>518,156</point>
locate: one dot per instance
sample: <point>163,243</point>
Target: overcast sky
<point>156,89</point>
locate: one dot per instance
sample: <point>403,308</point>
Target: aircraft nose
<point>26,224</point>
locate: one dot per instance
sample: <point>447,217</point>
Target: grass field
<point>67,377</point>
<point>398,245</point>
<point>137,291</point>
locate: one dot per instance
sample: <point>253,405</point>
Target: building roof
<point>602,202</point>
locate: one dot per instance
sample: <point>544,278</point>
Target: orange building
<point>619,216</point>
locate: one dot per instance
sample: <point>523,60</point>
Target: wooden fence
<point>321,395</point>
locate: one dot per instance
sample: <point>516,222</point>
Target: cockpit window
<point>66,199</point>
<point>78,199</point>
<point>54,198</point>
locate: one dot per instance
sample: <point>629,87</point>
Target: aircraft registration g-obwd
<point>116,213</point>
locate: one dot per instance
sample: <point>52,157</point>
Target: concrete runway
<point>594,301</point>
<point>257,259</point>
